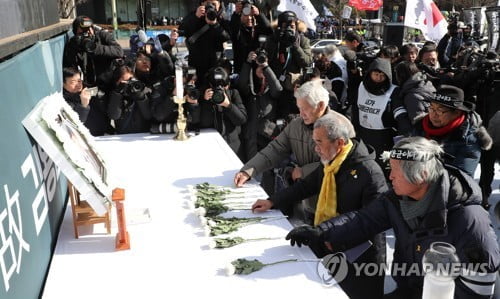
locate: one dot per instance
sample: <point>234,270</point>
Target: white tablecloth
<point>168,253</point>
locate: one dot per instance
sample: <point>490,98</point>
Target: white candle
<point>179,85</point>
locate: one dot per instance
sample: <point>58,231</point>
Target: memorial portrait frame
<point>57,129</point>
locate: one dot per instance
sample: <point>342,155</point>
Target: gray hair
<point>313,92</point>
<point>330,50</point>
<point>336,127</point>
<point>425,167</point>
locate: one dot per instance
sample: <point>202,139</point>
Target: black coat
<point>360,180</point>
<point>454,216</point>
<point>203,53</point>
<point>246,39</point>
<point>95,64</point>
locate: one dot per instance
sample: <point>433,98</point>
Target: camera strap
<point>193,38</point>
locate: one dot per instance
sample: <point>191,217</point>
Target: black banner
<point>493,18</point>
<point>476,17</point>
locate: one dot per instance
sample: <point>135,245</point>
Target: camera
<point>218,79</point>
<point>247,7</point>
<point>260,51</point>
<point>86,42</point>
<point>210,12</point>
<point>287,35</point>
<point>133,88</point>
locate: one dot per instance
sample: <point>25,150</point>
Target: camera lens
<point>247,10</point>
<point>210,12</point>
<point>218,96</point>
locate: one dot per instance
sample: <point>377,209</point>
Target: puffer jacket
<point>413,94</point>
<point>359,181</point>
<point>455,216</point>
<point>463,145</point>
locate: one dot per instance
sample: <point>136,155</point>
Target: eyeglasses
<point>438,112</point>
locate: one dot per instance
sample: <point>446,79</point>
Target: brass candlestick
<point>181,120</point>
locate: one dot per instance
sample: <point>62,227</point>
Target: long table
<point>169,256</point>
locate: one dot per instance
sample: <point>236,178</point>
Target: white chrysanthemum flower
<point>192,197</point>
<point>201,211</point>
<point>212,244</point>
<point>229,269</point>
<point>203,220</point>
<point>190,188</point>
<point>211,223</point>
<point>206,231</point>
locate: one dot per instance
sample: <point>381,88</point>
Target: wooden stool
<point>83,214</point>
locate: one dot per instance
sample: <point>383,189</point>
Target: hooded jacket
<point>368,113</point>
<point>413,94</point>
<point>454,216</point>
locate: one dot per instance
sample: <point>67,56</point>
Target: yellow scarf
<point>327,200</point>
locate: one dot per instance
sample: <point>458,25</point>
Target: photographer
<point>260,90</point>
<point>289,52</point>
<point>247,25</point>
<point>129,103</point>
<point>205,32</point>
<point>91,50</point>
<point>222,108</point>
<point>163,108</point>
<point>450,44</point>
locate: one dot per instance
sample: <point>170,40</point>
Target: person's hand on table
<point>241,178</point>
<point>262,205</point>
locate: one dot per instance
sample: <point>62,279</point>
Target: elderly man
<point>295,139</point>
<point>349,179</point>
<point>430,202</point>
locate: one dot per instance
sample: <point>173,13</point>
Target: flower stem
<point>262,239</point>
<point>293,260</point>
<point>281,262</point>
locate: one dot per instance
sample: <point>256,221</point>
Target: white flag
<point>425,15</point>
<point>303,9</point>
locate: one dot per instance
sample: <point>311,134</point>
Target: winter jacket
<point>96,63</point>
<point>454,216</point>
<point>246,39</point>
<point>368,113</point>
<point>261,108</point>
<point>360,180</point>
<point>295,139</point>
<point>203,53</point>
<point>73,99</point>
<point>463,145</point>
<point>413,94</point>
<point>131,113</point>
<point>300,55</point>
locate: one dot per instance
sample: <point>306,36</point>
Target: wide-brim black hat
<point>452,97</point>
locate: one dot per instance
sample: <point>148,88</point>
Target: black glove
<point>306,234</point>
